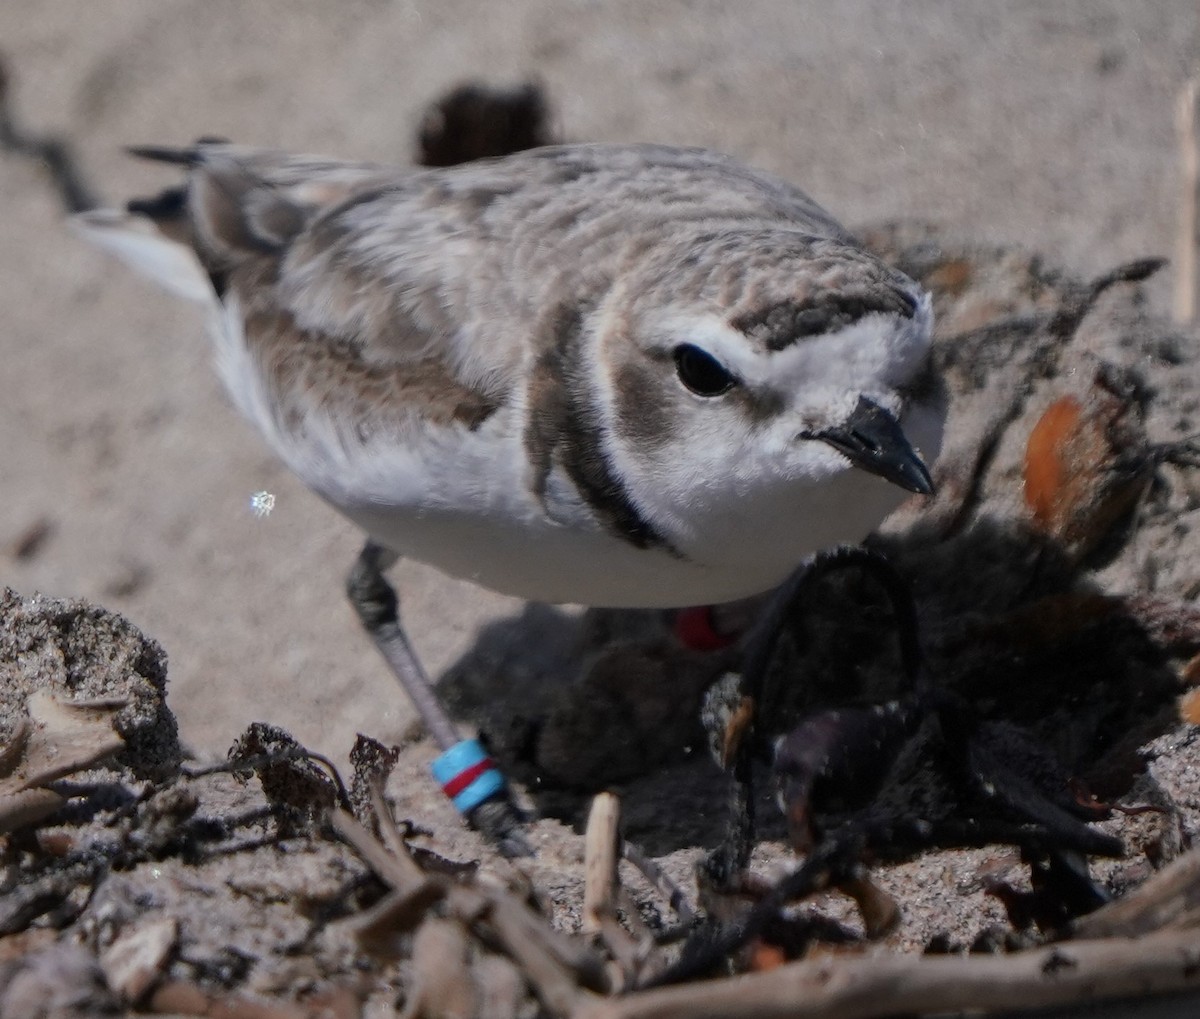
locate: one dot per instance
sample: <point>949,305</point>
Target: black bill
<point>871,438</point>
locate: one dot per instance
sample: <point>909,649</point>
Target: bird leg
<point>465,772</point>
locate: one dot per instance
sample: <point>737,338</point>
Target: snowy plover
<point>622,375</point>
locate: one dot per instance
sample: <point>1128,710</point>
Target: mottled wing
<point>391,297</point>
<point>458,263</point>
<point>323,318</point>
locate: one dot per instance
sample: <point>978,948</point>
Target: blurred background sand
<point>1047,125</point>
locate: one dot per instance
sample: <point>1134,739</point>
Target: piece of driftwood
<point>1170,900</point>
<point>876,985</point>
<point>600,860</point>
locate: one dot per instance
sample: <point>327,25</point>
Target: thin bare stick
<point>647,959</point>
<point>379,928</point>
<point>554,966</point>
<point>637,926</point>
<point>256,761</point>
<point>392,838</point>
<point>573,953</point>
<point>402,875</point>
<point>860,987</point>
<point>600,861</point>
<point>660,881</point>
<point>622,946</point>
<point>1187,244</point>
<point>527,940</point>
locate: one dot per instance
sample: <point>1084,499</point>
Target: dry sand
<point>1046,125</point>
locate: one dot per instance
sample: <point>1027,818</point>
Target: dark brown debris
<point>476,121</point>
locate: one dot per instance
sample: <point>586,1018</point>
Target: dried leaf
<point>59,738</point>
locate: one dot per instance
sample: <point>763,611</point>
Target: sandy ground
<point>1047,125</point>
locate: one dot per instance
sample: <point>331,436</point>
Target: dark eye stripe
<point>702,373</point>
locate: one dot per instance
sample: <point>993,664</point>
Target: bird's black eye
<point>702,373</point>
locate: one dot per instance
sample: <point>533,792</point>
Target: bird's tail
<point>135,238</point>
<point>188,156</point>
<point>153,235</point>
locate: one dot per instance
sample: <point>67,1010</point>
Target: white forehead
<point>875,354</point>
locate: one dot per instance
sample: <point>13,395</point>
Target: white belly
<point>462,503</point>
<point>548,562</point>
